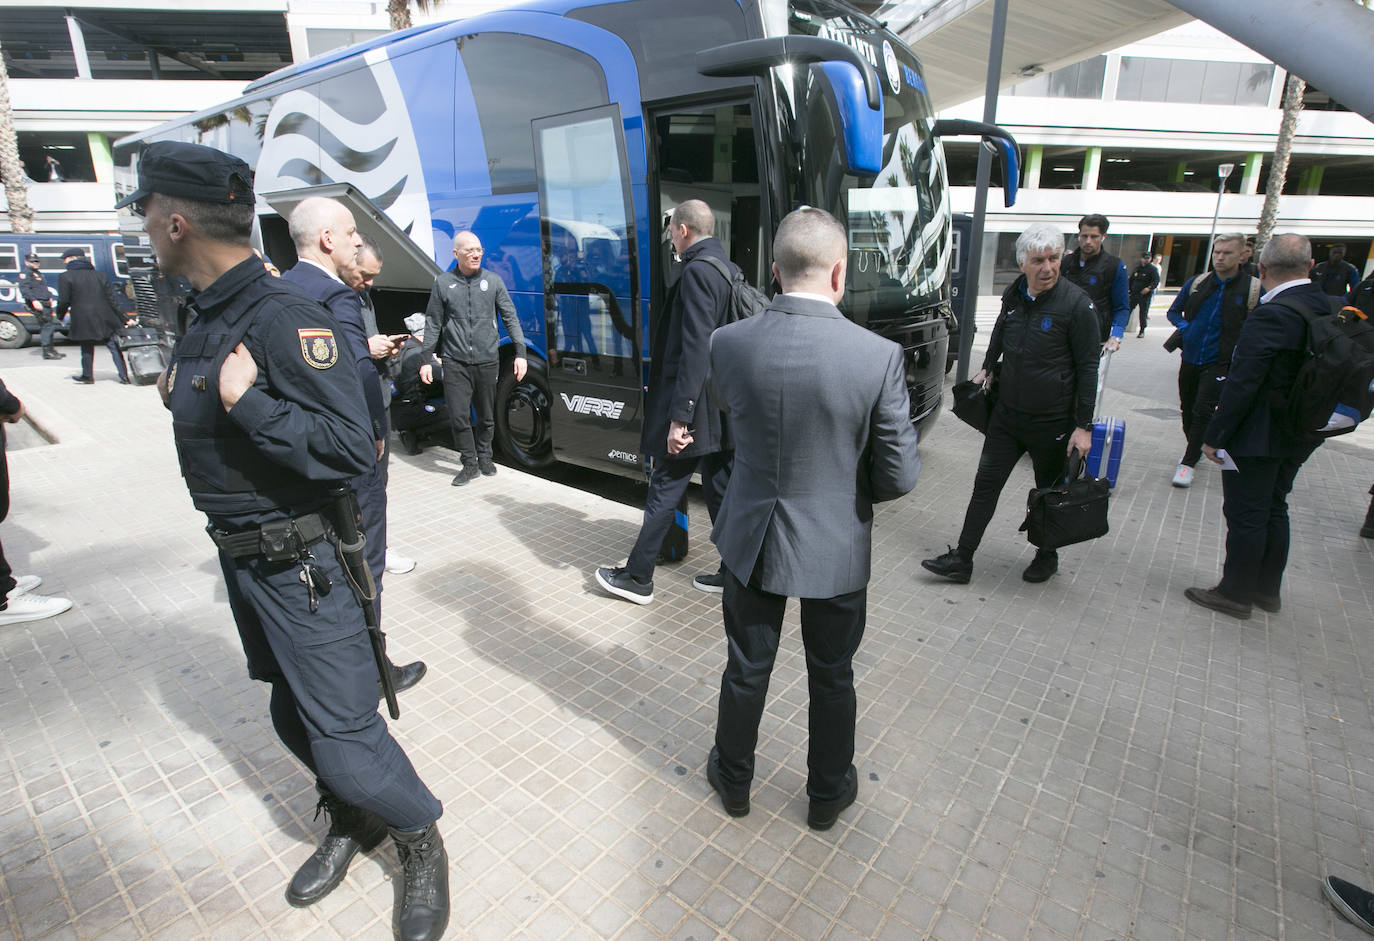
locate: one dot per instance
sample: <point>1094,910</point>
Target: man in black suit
<point>1264,364</point>
<point>327,246</point>
<point>819,409</point>
<point>683,429</point>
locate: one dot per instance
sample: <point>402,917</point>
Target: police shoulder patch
<point>318,347</point>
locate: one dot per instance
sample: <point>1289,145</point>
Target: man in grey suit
<point>822,432</point>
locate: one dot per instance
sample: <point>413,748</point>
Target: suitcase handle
<point>1103,365</point>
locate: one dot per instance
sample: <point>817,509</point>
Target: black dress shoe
<point>736,804</point>
<point>124,380</point>
<point>1271,603</point>
<point>1211,598</point>
<point>1042,567</point>
<point>403,678</point>
<point>423,912</point>
<point>84,380</point>
<point>824,813</point>
<point>953,565</point>
<point>351,829</point>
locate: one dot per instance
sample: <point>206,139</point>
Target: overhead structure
<point>951,37</point>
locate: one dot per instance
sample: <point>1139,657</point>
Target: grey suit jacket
<point>823,431</point>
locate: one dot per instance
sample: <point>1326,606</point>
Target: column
<point>1092,164</point>
<point>1249,178</point>
<point>101,157</point>
<point>83,62</point>
<point>1034,156</point>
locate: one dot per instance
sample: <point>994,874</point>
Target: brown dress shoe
<point>1211,598</point>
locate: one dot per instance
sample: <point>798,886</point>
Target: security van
<point>106,252</point>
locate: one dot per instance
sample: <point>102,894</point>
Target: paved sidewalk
<point>1094,758</point>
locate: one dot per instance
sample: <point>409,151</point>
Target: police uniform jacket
<point>34,287</point>
<point>1337,279</point>
<point>697,303</point>
<point>1143,277</point>
<point>1266,360</point>
<point>1048,349</point>
<point>460,318</point>
<point>85,293</point>
<point>1363,296</point>
<point>301,426</point>
<point>345,305</point>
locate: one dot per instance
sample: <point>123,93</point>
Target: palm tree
<point>399,12</point>
<point>1278,172</point>
<point>11,169</point>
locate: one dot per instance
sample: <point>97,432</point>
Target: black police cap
<point>191,171</point>
<point>31,257</point>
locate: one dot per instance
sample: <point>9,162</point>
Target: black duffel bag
<point>1071,510</point>
<point>973,404</point>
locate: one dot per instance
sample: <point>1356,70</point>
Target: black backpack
<point>745,299</point>
<point>1334,387</point>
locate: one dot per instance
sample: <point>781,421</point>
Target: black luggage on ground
<point>144,354</point>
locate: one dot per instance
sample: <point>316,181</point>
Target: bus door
<point>591,308</point>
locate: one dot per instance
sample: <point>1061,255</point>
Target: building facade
<point>1141,133</point>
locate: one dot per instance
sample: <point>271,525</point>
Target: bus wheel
<point>524,431</point>
<point>13,334</point>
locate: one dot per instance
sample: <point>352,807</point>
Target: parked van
<point>106,252</point>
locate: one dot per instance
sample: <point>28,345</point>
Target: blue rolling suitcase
<point>1109,434</point>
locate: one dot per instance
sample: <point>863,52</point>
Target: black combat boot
<point>423,912</point>
<point>403,678</point>
<point>350,829</point>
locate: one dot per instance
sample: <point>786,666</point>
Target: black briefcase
<point>1069,511</point>
<point>973,404</point>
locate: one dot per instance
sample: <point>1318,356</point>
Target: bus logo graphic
<point>617,455</point>
<point>894,72</point>
<point>588,405</point>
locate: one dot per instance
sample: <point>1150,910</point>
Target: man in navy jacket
<point>1255,495</point>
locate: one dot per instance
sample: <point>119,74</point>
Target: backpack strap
<point>720,266</point>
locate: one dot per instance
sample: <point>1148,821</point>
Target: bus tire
<point>524,420</point>
<point>13,334</point>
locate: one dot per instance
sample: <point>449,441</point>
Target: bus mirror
<point>1003,143</point>
<point>756,56</point>
<point>861,127</point>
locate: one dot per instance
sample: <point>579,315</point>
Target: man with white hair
<point>1047,340</point>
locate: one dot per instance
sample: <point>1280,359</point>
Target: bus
<point>563,132</point>
<point>107,252</point>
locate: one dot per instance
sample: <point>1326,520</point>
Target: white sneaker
<point>1183,477</point>
<point>398,564</point>
<point>32,608</point>
<point>24,584</point>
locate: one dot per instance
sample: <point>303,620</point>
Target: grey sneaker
<point>714,583</point>
<point>622,584</point>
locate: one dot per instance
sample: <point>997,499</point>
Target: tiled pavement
<point>1090,759</point>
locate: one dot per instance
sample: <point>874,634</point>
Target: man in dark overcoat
<point>683,431</point>
<point>85,294</point>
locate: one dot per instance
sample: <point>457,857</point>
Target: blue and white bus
<point>563,132</point>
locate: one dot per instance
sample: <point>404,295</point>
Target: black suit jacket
<point>343,302</point>
<point>696,305</point>
<point>1264,364</point>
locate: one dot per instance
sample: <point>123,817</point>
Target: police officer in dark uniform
<point>267,415</point>
<point>33,288</point>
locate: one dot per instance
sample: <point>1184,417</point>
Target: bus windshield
<point>898,221</point>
